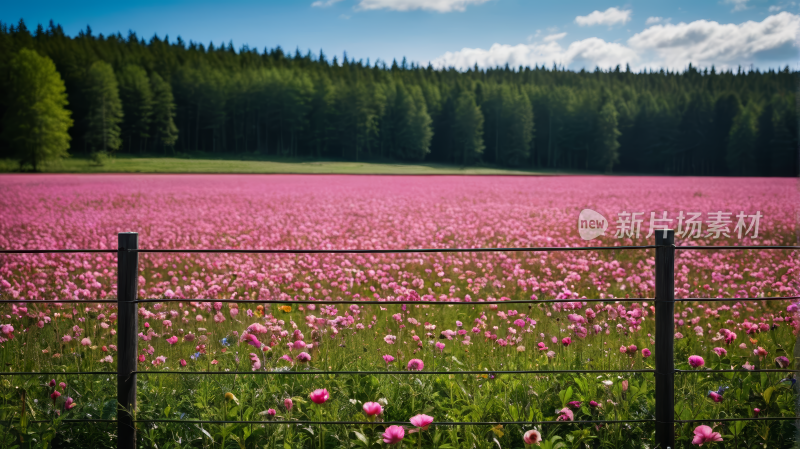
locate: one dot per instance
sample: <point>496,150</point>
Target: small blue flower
<point>196,356</point>
<point>721,390</point>
<point>224,342</point>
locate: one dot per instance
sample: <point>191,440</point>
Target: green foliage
<point>741,154</point>
<point>36,122</point>
<point>137,104</point>
<point>269,103</point>
<point>105,108</point>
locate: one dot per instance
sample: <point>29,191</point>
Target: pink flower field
<point>279,348</point>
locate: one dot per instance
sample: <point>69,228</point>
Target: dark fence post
<point>665,335</point>
<point>127,326</point>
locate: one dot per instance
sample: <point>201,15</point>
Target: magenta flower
<point>53,383</point>
<point>172,340</point>
<point>288,403</point>
<point>756,411</point>
<point>715,396</point>
<point>303,357</point>
<point>575,404</point>
<point>372,408</point>
<point>252,340</point>
<point>782,362</point>
<point>415,365</point>
<point>69,403</point>
<point>532,437</point>
<point>721,351</point>
<point>440,346</point>
<point>388,359</point>
<point>319,396</point>
<point>183,362</point>
<point>705,434</point>
<point>646,353</point>
<point>54,396</point>
<point>271,412</point>
<point>594,404</point>
<point>566,341</point>
<point>393,435</point>
<point>696,361</point>
<point>421,421</point>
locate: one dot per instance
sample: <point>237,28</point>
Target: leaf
<point>498,430</point>
<point>362,438</point>
<point>768,394</point>
<point>166,411</point>
<point>205,432</point>
<point>109,410</point>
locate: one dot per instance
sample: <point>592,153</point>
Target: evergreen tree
<point>607,138</point>
<point>468,129</point>
<point>163,119</point>
<point>105,109</point>
<point>740,157</point>
<point>137,107</point>
<point>36,122</point>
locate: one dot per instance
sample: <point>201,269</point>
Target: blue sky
<point>460,33</point>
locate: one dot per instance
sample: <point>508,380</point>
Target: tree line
<point>93,94</point>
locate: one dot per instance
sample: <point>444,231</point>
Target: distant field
<point>125,164</point>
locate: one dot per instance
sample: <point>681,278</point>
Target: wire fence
<point>664,300</point>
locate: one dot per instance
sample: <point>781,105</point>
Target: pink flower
<point>565,414</point>
<point>53,383</point>
<point>393,435</point>
<point>319,396</point>
<point>705,434</point>
<point>66,338</point>
<point>760,352</point>
<point>388,359</point>
<point>542,346</point>
<point>86,342</point>
<point>183,362</point>
<point>415,365</point>
<point>54,396</point>
<point>756,411</point>
<point>748,366</point>
<point>421,421</point>
<point>721,351</point>
<point>372,409</point>
<point>299,344</point>
<point>390,339</point>
<point>594,404</point>
<point>715,396</point>
<point>214,362</point>
<point>575,404</point>
<point>303,357</point>
<point>566,341</point>
<point>532,437</point>
<point>62,385</point>
<point>141,358</point>
<point>696,361</point>
<point>440,346</point>
<point>172,340</point>
<point>159,360</point>
<point>646,353</point>
<point>288,403</point>
<point>69,403</point>
<point>271,412</point>
<point>256,361</point>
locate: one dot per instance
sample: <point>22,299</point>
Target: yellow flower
<point>286,309</point>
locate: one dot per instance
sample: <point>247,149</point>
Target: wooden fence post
<point>665,339</point>
<point>127,327</point>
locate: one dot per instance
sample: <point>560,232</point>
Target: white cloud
<point>704,43</point>
<point>409,5</point>
<point>554,37</point>
<point>611,16</point>
<point>738,5</point>
<point>585,53</point>
<point>324,4</point>
<point>775,8</point>
<point>771,42</point>
<point>653,20</point>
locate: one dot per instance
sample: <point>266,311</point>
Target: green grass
<point>209,164</point>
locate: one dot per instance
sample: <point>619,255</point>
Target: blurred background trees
<point>164,97</point>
